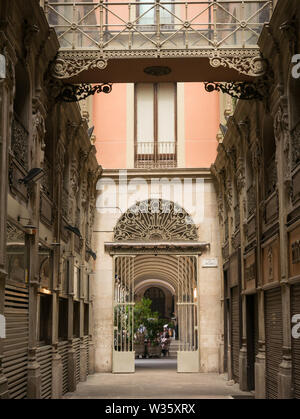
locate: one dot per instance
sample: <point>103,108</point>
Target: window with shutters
<point>155,125</point>
<point>151,14</point>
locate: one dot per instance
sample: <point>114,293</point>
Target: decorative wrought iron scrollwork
<point>78,92</point>
<point>256,90</point>
<point>155,220</point>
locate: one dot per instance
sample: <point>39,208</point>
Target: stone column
<point>241,182</point>
<point>83,348</point>
<point>281,130</point>
<point>32,244</point>
<point>56,358</point>
<point>34,373</point>
<point>91,331</point>
<point>260,361</point>
<point>71,351</point>
<point>6,109</point>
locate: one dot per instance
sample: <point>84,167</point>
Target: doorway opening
<point>155,320</point>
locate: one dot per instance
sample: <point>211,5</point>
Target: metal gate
<point>187,314</point>
<point>295,306</point>
<point>123,346</point>
<point>274,340</point>
<point>15,356</point>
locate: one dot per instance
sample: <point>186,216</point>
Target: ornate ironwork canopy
<point>93,32</point>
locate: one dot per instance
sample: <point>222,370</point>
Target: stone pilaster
<point>243,370</point>
<point>260,373</point>
<point>91,357</point>
<point>57,385</point>
<point>83,361</point>
<point>71,368</point>
<point>34,376</point>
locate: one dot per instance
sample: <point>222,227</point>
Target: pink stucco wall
<point>110,127</point>
<point>202,120</point>
<point>201,110</point>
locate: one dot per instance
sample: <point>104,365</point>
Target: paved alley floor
<point>156,379</point>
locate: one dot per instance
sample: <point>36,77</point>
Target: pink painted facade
<point>112,116</point>
<point>201,110</point>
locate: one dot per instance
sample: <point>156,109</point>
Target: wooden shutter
<point>295,307</point>
<point>235,332</point>
<point>274,340</point>
<point>15,356</point>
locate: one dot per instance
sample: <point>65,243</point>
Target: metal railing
<point>155,154</point>
<point>157,25</point>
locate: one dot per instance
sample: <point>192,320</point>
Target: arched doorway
<point>156,239</point>
<point>158,298</point>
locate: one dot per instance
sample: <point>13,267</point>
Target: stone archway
<point>156,238</point>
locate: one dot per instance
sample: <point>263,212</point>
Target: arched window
<point>157,296</point>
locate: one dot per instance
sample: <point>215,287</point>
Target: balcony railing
<point>132,25</point>
<point>155,155</point>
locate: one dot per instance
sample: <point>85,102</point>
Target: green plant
<point>143,316</point>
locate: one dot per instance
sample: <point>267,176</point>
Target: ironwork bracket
<point>256,90</point>
<point>78,92</point>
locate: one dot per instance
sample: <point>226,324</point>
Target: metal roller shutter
<point>235,332</point>
<point>15,356</point>
<point>86,343</point>
<point>295,307</point>
<point>76,347</point>
<point>274,340</point>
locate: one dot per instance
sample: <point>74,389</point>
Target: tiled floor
<point>156,379</point>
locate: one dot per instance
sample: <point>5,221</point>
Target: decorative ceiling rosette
<point>155,220</point>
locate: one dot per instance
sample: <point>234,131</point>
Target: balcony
<point>100,38</point>
<point>153,155</point>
